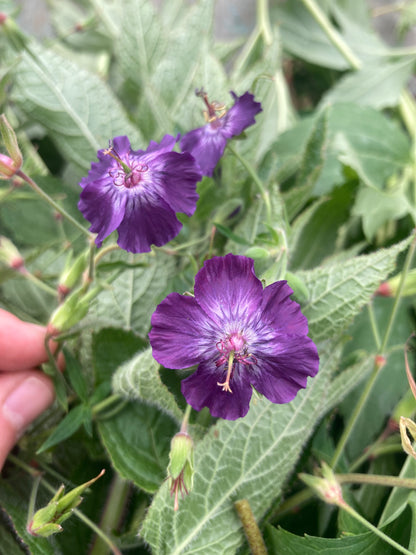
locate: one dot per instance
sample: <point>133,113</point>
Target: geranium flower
<point>138,192</point>
<point>207,143</point>
<point>239,334</point>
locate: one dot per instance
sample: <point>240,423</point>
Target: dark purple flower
<point>138,192</point>
<point>240,334</point>
<point>207,143</point>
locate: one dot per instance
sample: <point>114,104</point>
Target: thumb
<point>23,397</point>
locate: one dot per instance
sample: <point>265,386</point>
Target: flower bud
<point>327,487</point>
<point>390,287</point>
<point>9,165</point>
<point>72,272</point>
<point>71,311</point>
<point>407,425</point>
<point>48,520</point>
<point>10,256</point>
<point>181,466</point>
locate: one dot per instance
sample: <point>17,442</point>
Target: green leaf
<point>138,442</point>
<point>76,376</point>
<point>139,379</point>
<point>378,86</point>
<point>67,427</point>
<point>249,458</point>
<point>337,293</point>
<point>77,108</point>
<point>282,541</point>
<point>377,208</point>
<point>132,297</point>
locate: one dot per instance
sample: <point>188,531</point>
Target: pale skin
<point>25,392</point>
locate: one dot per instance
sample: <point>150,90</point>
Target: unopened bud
<point>48,520</point>
<point>327,487</point>
<point>71,311</point>
<point>181,466</point>
<point>390,287</point>
<point>10,256</point>
<point>72,272</point>
<point>11,164</point>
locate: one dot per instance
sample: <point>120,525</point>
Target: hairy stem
<point>251,529</point>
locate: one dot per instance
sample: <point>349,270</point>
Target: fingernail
<point>26,402</point>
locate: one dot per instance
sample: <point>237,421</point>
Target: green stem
<point>376,479</point>
<point>39,283</point>
<point>32,499</point>
<point>374,326</point>
<point>376,531</point>
<point>105,250</point>
<point>263,192</point>
<point>185,421</point>
<point>99,407</point>
<point>376,450</point>
<point>52,203</point>
<point>33,472</point>
<point>113,511</point>
<point>397,298</point>
<point>263,21</point>
<point>293,502</point>
<point>333,35</point>
<point>251,529</point>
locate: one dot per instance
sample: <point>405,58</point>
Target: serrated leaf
<point>139,379</point>
<point>76,107</point>
<point>138,442</point>
<point>249,458</point>
<point>282,541</point>
<point>132,297</point>
<point>337,293</point>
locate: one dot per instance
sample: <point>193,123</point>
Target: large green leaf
<point>139,379</point>
<point>250,458</point>
<point>78,109</point>
<point>137,440</point>
<point>338,292</point>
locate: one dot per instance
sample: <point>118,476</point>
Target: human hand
<point>25,392</point>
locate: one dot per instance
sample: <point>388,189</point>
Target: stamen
<point>226,385</point>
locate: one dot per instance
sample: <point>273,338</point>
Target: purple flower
<point>207,143</point>
<point>239,334</point>
<point>138,192</point>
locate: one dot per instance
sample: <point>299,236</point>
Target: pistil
<point>226,385</point>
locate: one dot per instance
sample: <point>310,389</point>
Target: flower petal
<point>283,313</point>
<point>280,377</point>
<point>207,145</point>
<point>147,221</point>
<point>165,145</point>
<point>240,115</point>
<point>228,290</point>
<point>202,390</point>
<point>103,205</point>
<point>181,334</point>
<point>175,176</point>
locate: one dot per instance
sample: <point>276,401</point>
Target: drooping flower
<point>239,334</point>
<point>138,193</point>
<point>207,143</point>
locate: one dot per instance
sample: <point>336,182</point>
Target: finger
<point>22,345</point>
<point>23,397</point>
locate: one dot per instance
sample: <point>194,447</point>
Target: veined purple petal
<point>121,145</point>
<point>240,115</point>
<point>202,390</point>
<point>281,311</point>
<point>280,376</point>
<point>104,206</point>
<point>147,221</point>
<point>166,145</point>
<point>228,290</point>
<point>180,334</point>
<point>175,175</point>
<point>207,145</point>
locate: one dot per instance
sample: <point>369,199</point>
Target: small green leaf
<point>76,376</point>
<point>230,234</point>
<point>67,427</point>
